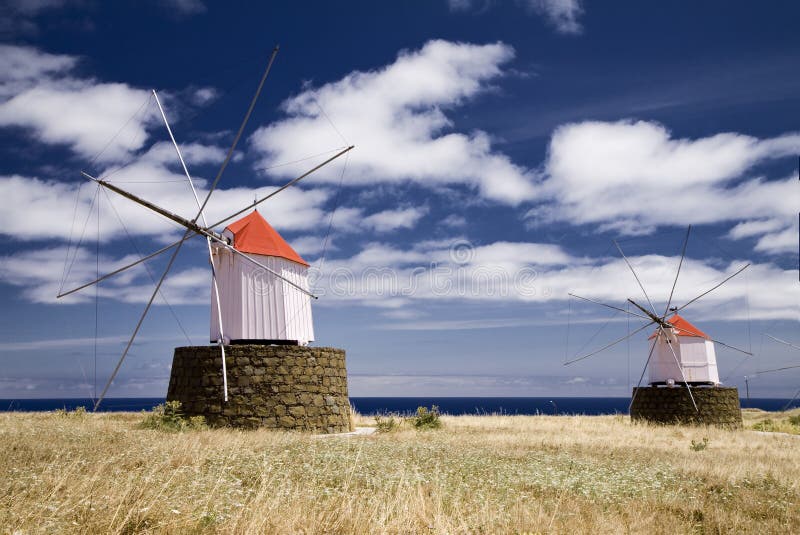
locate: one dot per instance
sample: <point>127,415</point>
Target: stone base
<point>282,387</point>
<point>716,406</point>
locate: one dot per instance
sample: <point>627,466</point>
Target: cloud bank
<point>396,118</point>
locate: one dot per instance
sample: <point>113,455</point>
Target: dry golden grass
<point>99,473</point>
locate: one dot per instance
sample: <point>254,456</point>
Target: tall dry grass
<point>99,473</point>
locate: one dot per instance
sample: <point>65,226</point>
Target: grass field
<point>100,473</point>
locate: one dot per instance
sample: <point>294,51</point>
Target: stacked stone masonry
<point>717,406</point>
<point>282,387</point>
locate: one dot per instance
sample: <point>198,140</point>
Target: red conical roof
<point>684,328</point>
<point>252,234</point>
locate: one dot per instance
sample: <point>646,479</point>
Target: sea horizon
<point>376,405</point>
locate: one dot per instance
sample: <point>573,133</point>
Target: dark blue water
<point>370,406</point>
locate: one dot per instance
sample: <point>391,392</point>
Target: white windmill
<point>680,353</point>
<point>290,295</point>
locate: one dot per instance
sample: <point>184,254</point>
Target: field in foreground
<point>99,473</point>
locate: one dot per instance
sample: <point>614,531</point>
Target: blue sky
<point>501,147</point>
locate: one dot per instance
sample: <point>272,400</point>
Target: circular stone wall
<point>664,405</point>
<point>284,387</point>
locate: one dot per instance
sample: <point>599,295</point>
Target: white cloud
<point>83,116</point>
<point>785,241</point>
<point>634,176</point>
<point>39,94</point>
<point>454,221</point>
<point>754,228</point>
<point>399,125</point>
<point>562,14</point>
<point>39,273</point>
<point>389,220</point>
<point>385,276</point>
<point>21,67</point>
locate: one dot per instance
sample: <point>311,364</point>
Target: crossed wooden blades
<point>193,228</point>
<point>653,318</point>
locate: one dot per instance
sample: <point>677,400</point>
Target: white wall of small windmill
<point>257,305</point>
<point>696,355</point>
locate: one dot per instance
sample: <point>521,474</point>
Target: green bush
<point>388,423</point>
<point>795,420</point>
<point>765,425</point>
<point>699,445</point>
<point>169,417</point>
<point>426,419</point>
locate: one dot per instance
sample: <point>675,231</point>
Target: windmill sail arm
<point>777,369</point>
<point>123,268</point>
<point>784,342</point>
<point>635,276</point>
<point>141,320</point>
<point>678,363</point>
<point>609,306</point>
<point>748,353</point>
<point>714,288</point>
<point>285,186</point>
<point>650,316</point>
<point>646,364</point>
<point>271,271</point>
<point>677,273</point>
<point>615,342</point>
<point>190,225</point>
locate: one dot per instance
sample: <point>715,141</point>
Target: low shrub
<point>765,425</point>
<point>795,420</point>
<point>426,419</point>
<point>169,417</point>
<point>700,445</point>
<point>388,423</point>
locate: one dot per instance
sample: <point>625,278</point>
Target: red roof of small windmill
<point>684,328</point>
<point>252,234</point>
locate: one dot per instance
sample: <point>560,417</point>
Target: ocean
<point>404,405</point>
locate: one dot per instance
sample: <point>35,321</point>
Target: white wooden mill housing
<point>694,357</point>
<point>255,305</point>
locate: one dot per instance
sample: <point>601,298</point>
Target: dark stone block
<point>287,387</point>
<point>717,406</point>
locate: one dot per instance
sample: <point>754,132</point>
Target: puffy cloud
<point>21,67</point>
<point>389,220</point>
<point>384,276</point>
<point>634,176</point>
<point>44,209</point>
<point>41,95</point>
<point>396,118</point>
<point>561,14</point>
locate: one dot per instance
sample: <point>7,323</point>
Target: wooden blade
<point>712,289</point>
<point>678,363</point>
<point>784,342</point>
<point>609,306</point>
<point>636,277</point>
<point>615,342</point>
<point>139,323</point>
<point>675,282</point>
<point>647,362</point>
<point>239,132</point>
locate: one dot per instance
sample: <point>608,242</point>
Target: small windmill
<point>680,353</point>
<point>775,370</point>
<point>220,245</point>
